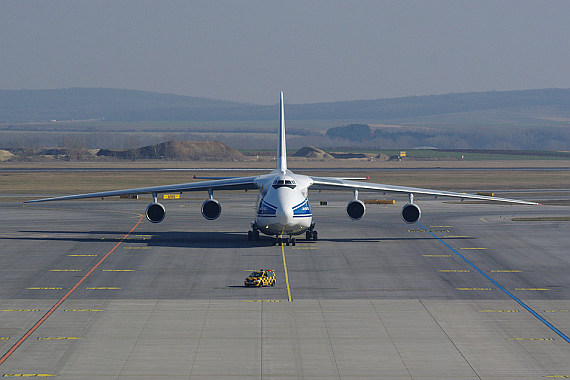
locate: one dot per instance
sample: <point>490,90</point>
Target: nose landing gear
<point>279,240</point>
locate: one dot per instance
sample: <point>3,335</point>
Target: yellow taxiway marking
<point>136,247</point>
<point>530,339</point>
<point>474,288</point>
<point>432,231</point>
<point>505,271</point>
<point>45,288</point>
<point>558,376</point>
<point>483,220</point>
<point>286,274</point>
<point>101,288</point>
<point>65,270</point>
<point>307,246</point>
<point>58,338</point>
<point>27,375</point>
<point>436,255</point>
<point>473,248</point>
<point>117,270</point>
<point>4,337</point>
<point>81,255</point>
<point>440,226</point>
<point>82,310</point>
<point>456,236</point>
<point>262,301</point>
<point>540,289</point>
<point>27,310</point>
<point>454,270</point>
<point>499,311</point>
<point>556,311</point>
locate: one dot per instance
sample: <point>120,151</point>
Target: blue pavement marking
<point>517,300</point>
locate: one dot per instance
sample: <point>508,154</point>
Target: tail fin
<point>282,149</point>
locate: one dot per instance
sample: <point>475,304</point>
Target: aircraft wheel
<point>256,235</point>
<point>293,242</point>
<point>249,235</point>
<point>315,236</point>
<point>308,235</point>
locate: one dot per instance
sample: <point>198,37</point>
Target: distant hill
<point>22,106</point>
<point>178,150</point>
<point>102,103</point>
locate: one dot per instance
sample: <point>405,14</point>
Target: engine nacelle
<point>155,212</point>
<point>211,209</point>
<point>355,209</point>
<point>411,213</point>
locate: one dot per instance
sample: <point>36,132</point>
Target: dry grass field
<point>460,176</point>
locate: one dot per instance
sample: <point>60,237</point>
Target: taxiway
<point>374,298</point>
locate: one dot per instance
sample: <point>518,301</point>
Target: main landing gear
<point>253,234</point>
<point>311,233</point>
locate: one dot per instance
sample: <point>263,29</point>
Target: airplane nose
<point>284,215</point>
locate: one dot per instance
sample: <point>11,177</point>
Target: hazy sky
<point>315,51</point>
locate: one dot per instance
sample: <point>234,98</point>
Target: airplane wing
<point>239,183</point>
<point>330,183</point>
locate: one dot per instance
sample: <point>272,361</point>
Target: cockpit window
<point>290,183</point>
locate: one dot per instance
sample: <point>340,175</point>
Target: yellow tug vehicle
<point>262,277</point>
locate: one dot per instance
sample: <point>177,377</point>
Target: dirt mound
<point>312,152</point>
<point>5,155</point>
<point>179,150</point>
<point>382,157</point>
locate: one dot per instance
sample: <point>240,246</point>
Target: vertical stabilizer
<point>282,149</point>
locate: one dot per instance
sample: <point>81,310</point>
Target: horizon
<point>284,92</point>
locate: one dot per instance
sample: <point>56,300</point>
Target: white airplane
<point>283,208</point>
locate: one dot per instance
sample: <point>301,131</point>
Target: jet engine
<point>211,209</point>
<point>355,209</point>
<point>155,212</point>
<point>411,213</point>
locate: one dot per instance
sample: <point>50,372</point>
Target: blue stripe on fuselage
<point>266,209</point>
<point>302,210</point>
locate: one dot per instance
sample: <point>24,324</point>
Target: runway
<point>375,298</point>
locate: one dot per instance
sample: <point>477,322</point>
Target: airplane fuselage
<point>283,207</point>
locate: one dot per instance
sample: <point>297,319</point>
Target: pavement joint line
<point>58,304</point>
<point>511,295</point>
